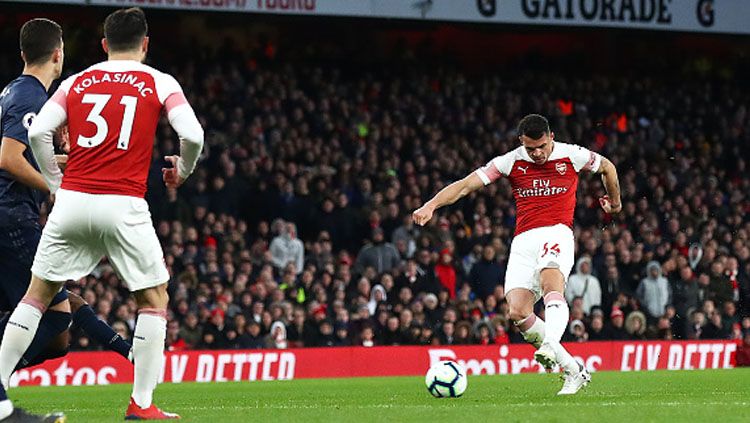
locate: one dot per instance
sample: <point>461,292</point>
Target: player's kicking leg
<point>557,315</point>
<point>148,349</point>
<point>521,302</point>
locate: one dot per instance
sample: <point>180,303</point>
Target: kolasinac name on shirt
<point>117,78</point>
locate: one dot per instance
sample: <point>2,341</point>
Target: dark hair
<point>124,29</point>
<point>533,126</point>
<point>39,38</point>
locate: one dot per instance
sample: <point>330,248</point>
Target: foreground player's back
<point>113,108</point>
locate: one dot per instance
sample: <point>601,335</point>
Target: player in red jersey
<point>111,110</point>
<point>543,174</point>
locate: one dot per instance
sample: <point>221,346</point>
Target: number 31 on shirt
<point>126,127</point>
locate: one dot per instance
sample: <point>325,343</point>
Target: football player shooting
<point>541,255</point>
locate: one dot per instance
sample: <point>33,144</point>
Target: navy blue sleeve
<point>18,117</point>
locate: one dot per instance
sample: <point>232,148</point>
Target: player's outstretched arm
<point>51,117</point>
<point>611,202</point>
<point>447,195</point>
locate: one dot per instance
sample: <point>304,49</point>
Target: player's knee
<point>76,302</point>
<point>42,291</point>
<point>552,279</point>
<point>154,297</point>
<point>63,307</point>
<point>517,314</point>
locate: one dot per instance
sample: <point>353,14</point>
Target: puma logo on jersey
<point>523,169</point>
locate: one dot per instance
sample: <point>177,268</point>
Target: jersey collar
<point>33,78</point>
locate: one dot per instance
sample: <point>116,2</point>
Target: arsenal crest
<point>561,168</point>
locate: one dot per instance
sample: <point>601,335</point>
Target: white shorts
<point>82,228</point>
<point>537,249</point>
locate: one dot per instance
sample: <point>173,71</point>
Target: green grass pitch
<point>661,396</point>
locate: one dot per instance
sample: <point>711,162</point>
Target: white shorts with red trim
<point>537,249</point>
<point>82,228</point>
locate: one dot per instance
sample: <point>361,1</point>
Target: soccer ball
<point>446,379</point>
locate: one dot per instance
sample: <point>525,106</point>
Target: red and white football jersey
<point>112,110</point>
<point>545,194</point>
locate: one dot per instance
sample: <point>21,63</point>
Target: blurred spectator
<point>380,255</point>
<point>214,334</point>
<point>610,285</point>
<point>368,337</point>
<point>377,297</point>
<point>585,285</point>
<point>743,352</point>
<point>501,335</point>
<point>173,208</point>
<point>635,325</point>
<point>684,297</point>
<point>326,337</point>
<point>446,273</point>
<point>251,338</point>
<point>696,327</point>
<point>596,330</point>
<point>447,330</point>
<point>736,332</point>
<point>654,292</point>
<point>486,274</point>
<point>296,329</point>
<point>191,331</point>
<point>483,334</point>
<point>616,329</point>
<point>663,329</point>
<point>463,333</point>
<point>415,279</point>
<point>714,329</point>
<point>341,335</point>
<point>286,248</point>
<point>392,334</point>
<point>719,287</point>
<point>743,281</point>
<point>729,316</point>
<point>433,314</point>
<point>406,236</point>
<point>430,282</point>
<point>577,332</point>
<point>277,336</point>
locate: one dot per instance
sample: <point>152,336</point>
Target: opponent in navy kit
<point>22,191</point>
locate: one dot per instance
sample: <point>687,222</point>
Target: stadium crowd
<point>295,230</point>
